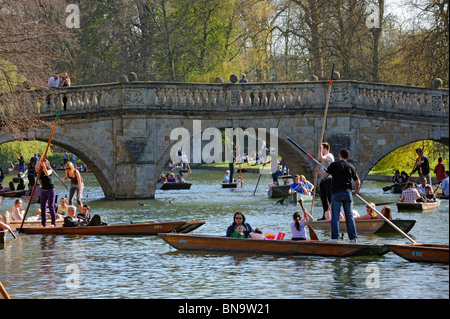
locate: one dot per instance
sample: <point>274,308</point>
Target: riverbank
<point>388,178</point>
<point>255,169</point>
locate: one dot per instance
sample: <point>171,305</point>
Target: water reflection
<point>34,266</point>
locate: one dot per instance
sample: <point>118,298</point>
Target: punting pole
<point>40,171</point>
<point>386,219</point>
<point>3,292</point>
<point>327,102</point>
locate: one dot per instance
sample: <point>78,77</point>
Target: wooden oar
<point>386,219</point>
<point>3,292</point>
<point>304,151</point>
<point>312,233</point>
<point>437,187</point>
<point>281,201</point>
<point>12,233</point>
<point>40,171</point>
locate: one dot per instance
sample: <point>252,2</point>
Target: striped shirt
<point>410,195</point>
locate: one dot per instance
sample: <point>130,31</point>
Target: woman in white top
<point>17,212</point>
<point>298,225</point>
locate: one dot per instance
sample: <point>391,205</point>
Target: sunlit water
<point>36,266</point>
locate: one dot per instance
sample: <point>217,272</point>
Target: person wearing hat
<point>226,178</point>
<point>243,78</point>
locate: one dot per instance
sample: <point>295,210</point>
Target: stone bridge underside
<point>122,130</point>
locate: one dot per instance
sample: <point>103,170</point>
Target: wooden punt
<point>424,207</point>
<point>18,193</point>
<point>275,247</point>
<point>118,229</point>
<point>372,226</point>
<point>442,196</point>
<point>278,191</point>
<point>172,186</point>
<point>421,252</point>
<point>15,224</point>
<point>229,185</point>
<point>295,197</point>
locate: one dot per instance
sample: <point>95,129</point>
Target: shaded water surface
<point>36,266</point>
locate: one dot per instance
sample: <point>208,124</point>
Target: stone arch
<point>100,170</point>
<point>365,168</point>
<point>298,162</point>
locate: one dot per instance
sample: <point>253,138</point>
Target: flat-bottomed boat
<point>192,242</point>
<point>172,186</point>
<point>423,207</point>
<point>148,228</point>
<point>421,252</point>
<point>372,226</point>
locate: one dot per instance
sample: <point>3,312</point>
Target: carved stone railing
<point>242,97</point>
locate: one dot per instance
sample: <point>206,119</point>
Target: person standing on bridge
<point>53,82</point>
<point>341,188</point>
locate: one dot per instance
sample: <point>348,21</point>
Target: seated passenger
<point>308,185</point>
<point>298,225</point>
<point>410,195</point>
<point>297,186</point>
<point>430,196</point>
<point>86,218</point>
<point>238,231</point>
<point>371,214</point>
<point>226,178</point>
<point>71,219</point>
<point>180,178</point>
<point>171,178</point>
<point>63,208</point>
<point>239,218</point>
<point>17,211</point>
<point>386,211</point>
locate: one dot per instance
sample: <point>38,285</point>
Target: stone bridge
<point>122,130</point>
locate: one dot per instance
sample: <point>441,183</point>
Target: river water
<point>136,267</point>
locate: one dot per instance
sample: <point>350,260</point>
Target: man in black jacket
<point>341,193</point>
<point>423,166</point>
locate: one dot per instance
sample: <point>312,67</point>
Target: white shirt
<point>327,162</point>
<point>298,233</point>
<point>422,188</point>
<point>52,83</point>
